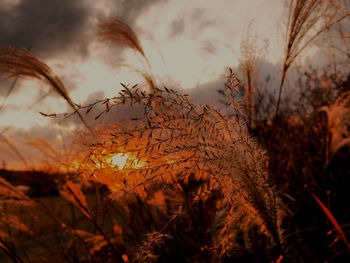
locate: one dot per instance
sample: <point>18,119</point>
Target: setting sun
<point>118,160</point>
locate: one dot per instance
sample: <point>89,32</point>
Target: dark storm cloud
<point>56,27</point>
<point>53,27</point>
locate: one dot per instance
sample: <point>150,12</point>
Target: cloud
<point>131,9</point>
<point>48,132</point>
<point>177,26</point>
<point>53,27</point>
<point>58,27</point>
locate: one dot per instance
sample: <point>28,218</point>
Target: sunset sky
<point>189,45</point>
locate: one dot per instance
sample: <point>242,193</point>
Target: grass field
<point>262,178</point>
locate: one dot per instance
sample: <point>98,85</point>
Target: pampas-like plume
<point>117,32</point>
<point>20,63</point>
<point>120,33</point>
<point>303,18</point>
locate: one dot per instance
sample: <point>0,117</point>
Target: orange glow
<point>103,160</point>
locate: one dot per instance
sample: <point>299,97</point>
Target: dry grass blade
<point>14,149</point>
<point>9,251</point>
<point>20,63</point>
<point>333,220</point>
<point>8,94</point>
<point>73,193</point>
<point>120,33</point>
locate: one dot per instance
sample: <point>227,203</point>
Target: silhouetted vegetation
<point>262,178</point>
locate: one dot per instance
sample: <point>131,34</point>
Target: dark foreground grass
<point>245,182</point>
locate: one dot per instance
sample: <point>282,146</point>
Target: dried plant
<point>118,32</point>
<point>146,252</point>
<point>14,149</point>
<point>11,201</point>
<point>333,221</point>
<point>308,151</point>
<point>250,54</point>
<point>307,19</point>
<point>74,194</point>
<point>20,63</point>
<point>338,116</point>
<point>174,140</point>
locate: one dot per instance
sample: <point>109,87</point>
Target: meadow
<point>263,177</point>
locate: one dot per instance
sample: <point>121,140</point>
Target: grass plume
<point>307,19</point>
<point>20,63</point>
<point>120,33</point>
<point>250,54</point>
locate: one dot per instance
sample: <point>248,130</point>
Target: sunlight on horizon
<point>118,160</point>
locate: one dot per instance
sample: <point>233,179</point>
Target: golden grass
<point>307,19</point>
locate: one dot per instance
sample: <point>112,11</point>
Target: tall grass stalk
<point>307,19</point>
<point>249,57</point>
